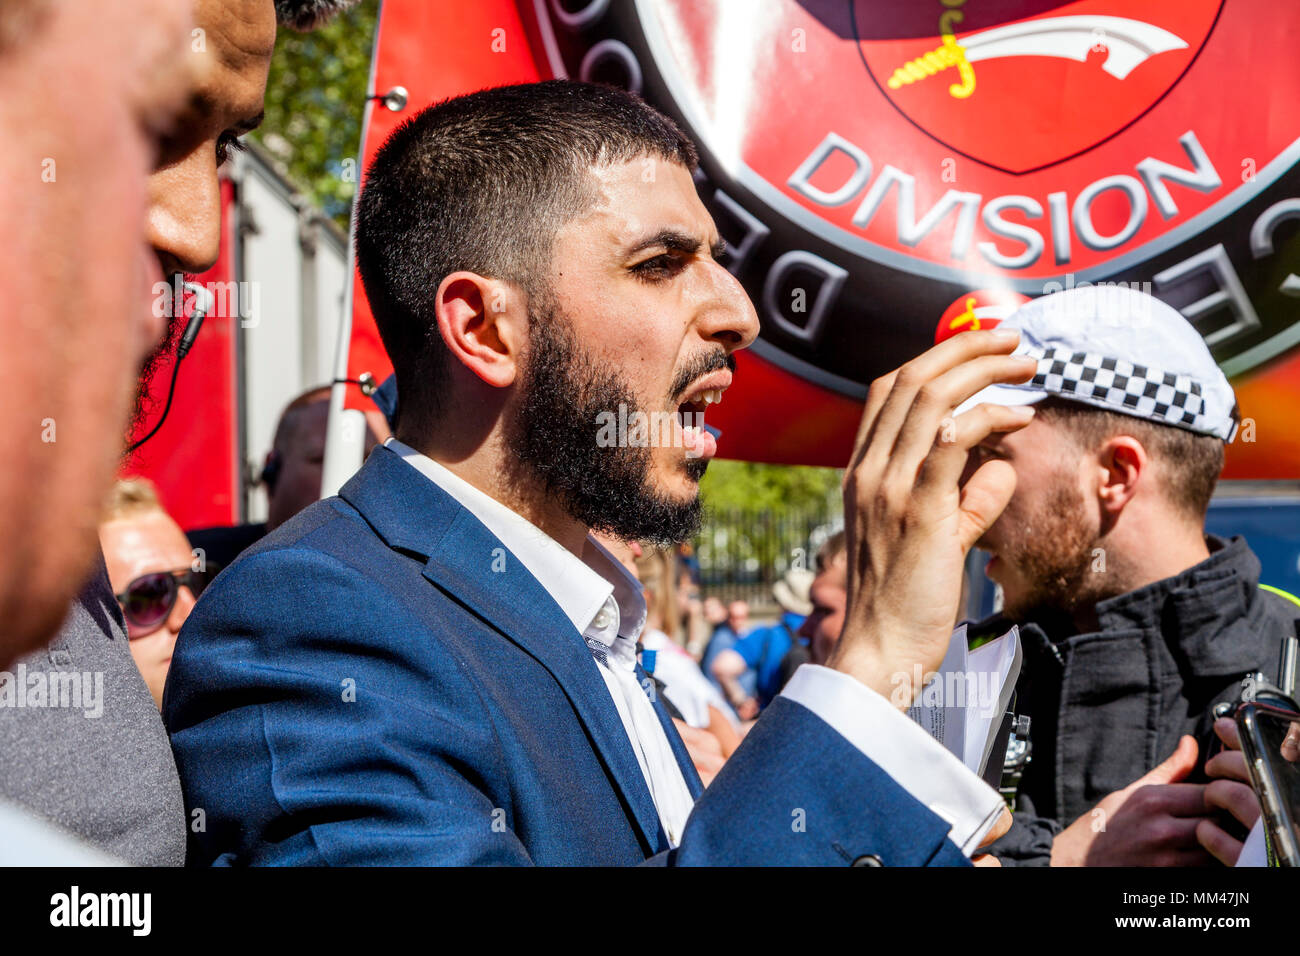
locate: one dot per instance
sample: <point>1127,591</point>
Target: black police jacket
<point>1107,707</point>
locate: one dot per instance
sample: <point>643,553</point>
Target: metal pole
<point>346,430</point>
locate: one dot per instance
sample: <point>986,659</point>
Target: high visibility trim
<point>1280,593</point>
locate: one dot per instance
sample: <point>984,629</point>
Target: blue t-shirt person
<point>724,639</point>
<point>764,647</point>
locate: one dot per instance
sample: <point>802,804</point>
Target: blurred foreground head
<point>83,130</point>
<point>117,117</point>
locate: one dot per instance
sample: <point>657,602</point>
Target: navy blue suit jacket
<point>380,681</point>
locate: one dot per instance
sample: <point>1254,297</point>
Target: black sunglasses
<point>148,600</point>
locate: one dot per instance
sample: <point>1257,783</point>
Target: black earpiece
<point>202,306</point>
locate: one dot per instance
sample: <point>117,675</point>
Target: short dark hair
<point>482,183</point>
<point>1191,461</point>
<point>308,14</point>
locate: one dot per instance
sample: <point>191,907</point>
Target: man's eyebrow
<point>248,125</point>
<point>204,103</point>
<point>676,241</point>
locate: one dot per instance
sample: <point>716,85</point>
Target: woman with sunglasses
<point>150,568</point>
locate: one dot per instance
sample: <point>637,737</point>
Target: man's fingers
<point>1171,799</point>
<point>1193,856</point>
<point>1228,765</point>
<point>1179,832</point>
<point>983,498</point>
<point>1218,843</point>
<point>698,740</point>
<point>882,432</point>
<point>1178,765</point>
<point>1237,798</point>
<point>876,396</point>
<point>1291,743</point>
<point>1225,728</point>
<point>936,399</point>
<point>957,436</point>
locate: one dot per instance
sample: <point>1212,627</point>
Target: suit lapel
<point>472,566</point>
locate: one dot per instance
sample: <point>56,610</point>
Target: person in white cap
<point>1135,623</point>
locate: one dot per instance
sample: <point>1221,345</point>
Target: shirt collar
<point>626,592</point>
<point>580,586</point>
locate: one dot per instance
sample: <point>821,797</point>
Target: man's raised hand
<point>909,519</point>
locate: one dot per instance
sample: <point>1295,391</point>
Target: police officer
<point>1134,622</point>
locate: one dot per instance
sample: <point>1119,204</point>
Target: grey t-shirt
<point>82,744</point>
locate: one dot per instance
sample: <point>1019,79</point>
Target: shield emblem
<point>1148,142</point>
<point>1021,92</point>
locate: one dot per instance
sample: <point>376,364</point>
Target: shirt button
<point>869,859</point>
<point>602,620</point>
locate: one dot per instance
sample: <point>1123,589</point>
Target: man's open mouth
<point>703,393</point>
<point>690,414</point>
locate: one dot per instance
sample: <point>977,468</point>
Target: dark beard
<point>1057,556</point>
<point>145,400</point>
<point>554,439</point>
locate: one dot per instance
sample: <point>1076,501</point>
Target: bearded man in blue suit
<point>439,665</point>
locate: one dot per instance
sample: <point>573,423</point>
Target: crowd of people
<point>488,648</point>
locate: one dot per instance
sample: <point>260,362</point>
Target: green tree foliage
<point>761,520</point>
<point>315,98</point>
<point>748,486</point>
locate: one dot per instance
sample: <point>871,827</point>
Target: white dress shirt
<point>604,603</point>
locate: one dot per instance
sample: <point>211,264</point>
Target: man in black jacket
<point>1134,622</point>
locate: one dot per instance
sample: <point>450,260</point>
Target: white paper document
<point>963,703</point>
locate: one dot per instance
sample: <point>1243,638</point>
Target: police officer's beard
<point>554,440</point>
<point>1055,554</point>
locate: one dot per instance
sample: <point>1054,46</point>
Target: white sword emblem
<point>1128,43</point>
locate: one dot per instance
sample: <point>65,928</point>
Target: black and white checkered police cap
<point>1123,350</point>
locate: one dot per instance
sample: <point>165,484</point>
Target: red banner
<point>194,458</point>
<point>888,171</point>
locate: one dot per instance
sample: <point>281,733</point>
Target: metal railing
<point>743,553</point>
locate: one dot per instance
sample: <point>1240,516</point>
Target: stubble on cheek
<point>1046,555</point>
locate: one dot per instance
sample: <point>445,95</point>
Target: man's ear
<point>1123,462</point>
<point>484,323</point>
